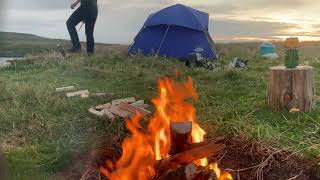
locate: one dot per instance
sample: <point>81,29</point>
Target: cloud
<point>120,20</point>
<point>231,29</point>
<point>2,11</point>
<point>37,4</point>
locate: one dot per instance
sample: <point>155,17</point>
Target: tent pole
<point>162,41</point>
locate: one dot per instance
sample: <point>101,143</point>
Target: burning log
<point>143,150</point>
<point>180,136</point>
<point>189,156</point>
<point>206,142</point>
<point>189,172</point>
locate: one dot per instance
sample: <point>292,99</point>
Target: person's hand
<point>73,5</point>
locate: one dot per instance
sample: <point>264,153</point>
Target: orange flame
<point>220,176</point>
<point>145,146</point>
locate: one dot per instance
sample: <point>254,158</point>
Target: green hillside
<point>44,134</point>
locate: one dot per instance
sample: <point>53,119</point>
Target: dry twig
<point>296,176</point>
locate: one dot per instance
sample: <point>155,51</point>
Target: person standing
<point>87,13</point>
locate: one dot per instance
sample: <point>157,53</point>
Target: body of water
<point>4,60</point>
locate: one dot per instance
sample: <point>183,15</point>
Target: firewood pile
<point>124,108</point>
<point>180,164</point>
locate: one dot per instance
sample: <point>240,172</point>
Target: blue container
<point>267,48</point>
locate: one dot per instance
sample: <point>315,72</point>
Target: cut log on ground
<point>103,106</point>
<point>291,88</point>
<point>189,156</point>
<point>133,109</point>
<point>102,94</point>
<point>120,112</point>
<point>139,103</point>
<point>83,94</point>
<point>96,113</point>
<point>102,113</point>
<point>63,89</point>
<point>126,100</point>
<point>180,136</point>
<point>108,114</point>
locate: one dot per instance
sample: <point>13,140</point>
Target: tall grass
<point>41,131</point>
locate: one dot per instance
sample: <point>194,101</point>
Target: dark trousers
<point>89,16</point>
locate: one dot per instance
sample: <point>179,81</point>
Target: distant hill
<point>12,36</point>
<point>19,44</point>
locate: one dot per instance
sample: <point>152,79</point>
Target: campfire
<point>169,145</point>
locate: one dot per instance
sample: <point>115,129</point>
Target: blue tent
<point>176,31</point>
<point>267,48</point>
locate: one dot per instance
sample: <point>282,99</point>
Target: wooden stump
<point>290,89</point>
<point>180,136</point>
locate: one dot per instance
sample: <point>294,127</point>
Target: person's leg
<point>90,24</point>
<point>72,22</point>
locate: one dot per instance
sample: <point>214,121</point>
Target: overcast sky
<point>120,20</point>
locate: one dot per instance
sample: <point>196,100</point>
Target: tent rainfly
<point>176,31</point>
<point>268,50</point>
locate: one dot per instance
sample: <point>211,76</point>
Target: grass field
<point>41,131</point>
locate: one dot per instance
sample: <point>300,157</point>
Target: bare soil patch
<point>243,158</point>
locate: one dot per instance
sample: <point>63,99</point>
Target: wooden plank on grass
<point>138,103</point>
<point>126,100</point>
<point>141,104</point>
<point>96,113</point>
<point>108,113</point>
<point>103,113</point>
<point>102,94</point>
<point>103,106</point>
<point>84,93</point>
<point>120,112</point>
<point>133,109</point>
<point>62,89</point>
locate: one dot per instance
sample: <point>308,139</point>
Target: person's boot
<point>74,50</point>
<point>90,53</point>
